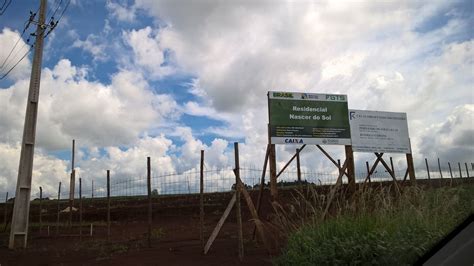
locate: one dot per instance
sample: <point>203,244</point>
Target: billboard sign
<point>308,118</point>
<point>373,131</point>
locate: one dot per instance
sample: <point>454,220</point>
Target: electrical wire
<point>25,27</point>
<point>51,18</point>
<point>24,55</point>
<point>51,24</point>
<point>64,10</point>
<point>4,2</point>
<point>4,8</point>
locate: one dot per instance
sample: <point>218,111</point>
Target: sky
<point>168,78</point>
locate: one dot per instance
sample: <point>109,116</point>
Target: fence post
<point>57,219</point>
<point>5,221</point>
<point>460,173</point>
<point>467,170</point>
<point>368,171</point>
<point>392,167</point>
<point>350,168</point>
<point>92,190</point>
<point>108,205</point>
<point>427,169</point>
<point>411,168</point>
<point>40,209</point>
<point>72,185</point>
<point>80,208</point>
<point>298,167</point>
<point>150,214</point>
<point>439,167</point>
<point>273,178</point>
<point>450,171</point>
<point>339,165</point>
<point>201,200</point>
<point>238,210</point>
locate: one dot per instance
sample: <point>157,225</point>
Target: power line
<point>24,55</point>
<point>5,5</point>
<point>26,26</point>
<point>51,25</point>
<point>51,18</point>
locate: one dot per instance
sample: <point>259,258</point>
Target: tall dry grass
<point>372,226</point>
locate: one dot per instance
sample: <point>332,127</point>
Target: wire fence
<point>223,180</point>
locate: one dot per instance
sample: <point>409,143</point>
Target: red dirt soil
<point>175,226</point>
<point>175,230</point>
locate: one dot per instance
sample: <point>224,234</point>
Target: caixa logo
<point>289,141</point>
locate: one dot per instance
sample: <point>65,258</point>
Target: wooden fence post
<point>150,210</point>
<point>411,168</point>
<point>298,167</point>
<point>450,171</point>
<point>219,225</point>
<point>392,167</point>
<point>439,167</point>
<point>368,170</point>
<point>71,196</point>
<point>40,209</point>
<point>339,165</point>
<point>201,200</point>
<point>350,167</point>
<point>427,169</point>
<point>238,210</point>
<point>57,219</point>
<point>5,221</point>
<point>108,205</point>
<point>80,208</point>
<point>460,173</point>
<point>273,178</point>
<point>467,170</point>
<point>262,185</point>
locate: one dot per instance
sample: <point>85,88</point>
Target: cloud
<point>95,45</point>
<point>121,12</point>
<point>47,171</point>
<point>148,52</point>
<point>13,49</point>
<point>95,114</point>
<point>387,56</point>
<point>451,140</point>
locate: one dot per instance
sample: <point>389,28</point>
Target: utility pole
<point>21,209</point>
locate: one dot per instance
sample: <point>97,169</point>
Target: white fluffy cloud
<point>96,114</point>
<point>385,55</point>
<point>451,140</point>
<point>47,171</point>
<point>8,57</point>
<point>121,11</point>
<point>148,52</point>
<point>95,45</point>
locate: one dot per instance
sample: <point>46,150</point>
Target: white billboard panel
<point>373,131</point>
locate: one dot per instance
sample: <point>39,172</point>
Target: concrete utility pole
<point>21,209</point>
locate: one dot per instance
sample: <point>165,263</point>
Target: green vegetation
<point>157,233</point>
<point>375,228</point>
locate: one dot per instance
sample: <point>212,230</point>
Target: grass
<point>374,228</point>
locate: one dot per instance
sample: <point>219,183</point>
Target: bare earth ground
<point>175,232</point>
<point>175,236</point>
